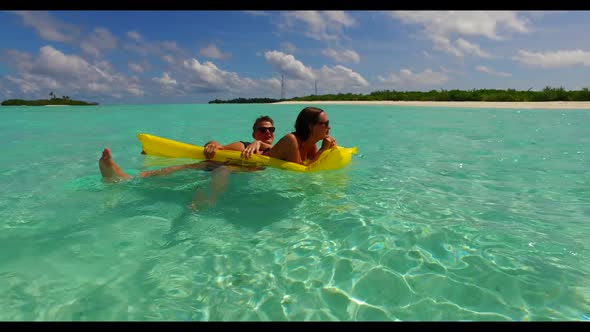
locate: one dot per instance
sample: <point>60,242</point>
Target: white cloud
<point>136,91</point>
<point>288,47</point>
<point>339,17</point>
<point>54,63</point>
<point>100,39</point>
<point>541,14</point>
<point>105,66</point>
<point>48,27</point>
<point>211,51</point>
<point>301,79</point>
<point>170,45</point>
<point>440,26</point>
<point>406,77</point>
<point>72,75</point>
<point>24,85</point>
<point>144,47</point>
<point>257,12</point>
<point>557,59</point>
<point>206,72</point>
<point>5,92</point>
<point>98,87</point>
<point>22,61</point>
<point>487,70</point>
<point>461,47</point>
<point>28,83</point>
<point>139,45</point>
<point>135,36</point>
<point>208,77</point>
<point>136,68</point>
<point>339,77</point>
<point>169,59</point>
<point>474,23</point>
<point>427,55</point>
<point>165,79</point>
<point>287,64</point>
<point>443,43</point>
<point>342,56</point>
<point>471,48</point>
<point>271,83</point>
<point>319,25</point>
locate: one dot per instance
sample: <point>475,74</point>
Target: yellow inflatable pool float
<point>334,158</point>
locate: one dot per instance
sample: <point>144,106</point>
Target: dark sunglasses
<point>265,129</point>
<point>326,123</point>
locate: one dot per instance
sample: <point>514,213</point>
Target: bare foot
<point>111,172</point>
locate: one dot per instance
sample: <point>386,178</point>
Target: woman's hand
<point>253,148</point>
<point>210,149</point>
<point>328,143</point>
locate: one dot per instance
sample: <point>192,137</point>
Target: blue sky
<point>137,57</point>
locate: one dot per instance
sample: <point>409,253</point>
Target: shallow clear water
<point>445,214</point>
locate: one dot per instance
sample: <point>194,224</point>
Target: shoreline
<point>470,104</point>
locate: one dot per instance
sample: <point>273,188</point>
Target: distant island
<point>247,101</point>
<point>485,95</point>
<point>54,100</point>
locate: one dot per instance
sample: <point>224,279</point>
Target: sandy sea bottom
<point>445,214</point>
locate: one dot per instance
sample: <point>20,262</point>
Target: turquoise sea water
<point>445,214</point>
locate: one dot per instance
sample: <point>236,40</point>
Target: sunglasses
<point>325,123</point>
<point>265,129</point>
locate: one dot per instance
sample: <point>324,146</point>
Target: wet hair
<point>306,117</point>
<point>262,118</point>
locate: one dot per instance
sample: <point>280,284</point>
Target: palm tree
<point>51,95</point>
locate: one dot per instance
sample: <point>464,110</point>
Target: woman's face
<point>321,128</point>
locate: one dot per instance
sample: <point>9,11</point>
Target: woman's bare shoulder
<point>288,139</point>
<point>285,147</point>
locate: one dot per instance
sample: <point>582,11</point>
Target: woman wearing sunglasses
<point>312,125</point>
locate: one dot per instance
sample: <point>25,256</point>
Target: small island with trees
<point>53,100</point>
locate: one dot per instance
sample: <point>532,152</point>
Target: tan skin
<point>111,171</point>
<point>290,148</point>
<point>263,140</point>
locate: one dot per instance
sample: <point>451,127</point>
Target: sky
<point>181,57</point>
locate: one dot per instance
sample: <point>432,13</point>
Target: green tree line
<point>246,101</point>
<point>509,95</point>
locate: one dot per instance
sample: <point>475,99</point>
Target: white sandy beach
<point>471,104</point>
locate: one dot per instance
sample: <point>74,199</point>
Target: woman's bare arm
<point>287,149</point>
<point>327,143</point>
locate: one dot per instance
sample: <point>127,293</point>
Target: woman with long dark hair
<point>312,125</point>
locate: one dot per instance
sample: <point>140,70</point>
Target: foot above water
<point>111,172</point>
